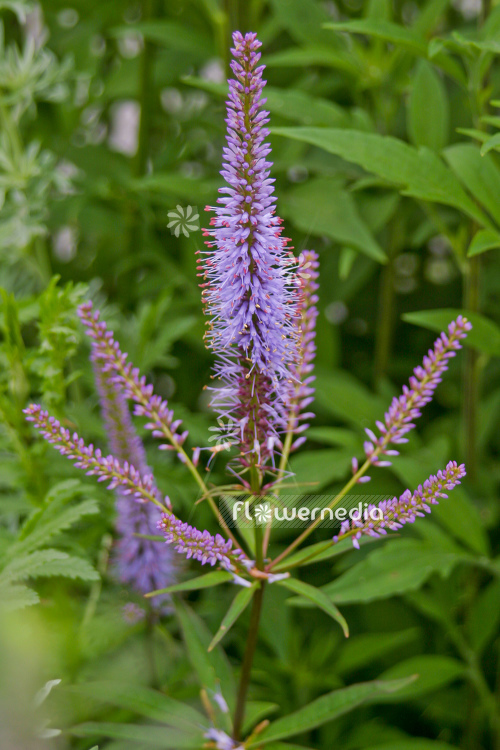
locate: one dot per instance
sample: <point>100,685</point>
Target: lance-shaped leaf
<point>162,738</point>
<point>194,584</point>
<point>328,707</point>
<point>213,669</point>
<point>144,701</point>
<point>318,598</point>
<point>238,605</point>
<point>419,173</point>
<point>485,334</point>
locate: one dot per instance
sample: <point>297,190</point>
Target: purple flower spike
<point>249,280</point>
<point>406,408</point>
<point>106,352</point>
<point>301,388</point>
<point>123,476</point>
<point>393,514</point>
<point>142,563</point>
<point>201,545</point>
<point>191,542</point>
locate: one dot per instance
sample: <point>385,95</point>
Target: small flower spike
<point>189,541</point>
<point>144,564</point>
<point>106,351</point>
<point>404,409</point>
<point>393,514</point>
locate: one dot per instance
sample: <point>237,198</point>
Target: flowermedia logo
<point>243,512</point>
<point>183,219</point>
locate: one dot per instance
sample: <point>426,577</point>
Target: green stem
<point>383,338</point>
<point>146,99</point>
<point>471,373</point>
<point>246,667</point>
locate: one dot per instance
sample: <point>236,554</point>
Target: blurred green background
<point>385,135</point>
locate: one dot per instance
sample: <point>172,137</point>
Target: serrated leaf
<point>318,598</point>
<point>46,524</point>
<point>200,582</point>
<point>45,563</point>
<point>14,597</point>
<point>485,334</point>
<point>419,173</point>
<point>328,707</point>
<point>490,143</point>
<point>238,605</point>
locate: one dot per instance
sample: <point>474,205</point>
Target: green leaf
<point>328,707</point>
<point>212,668</point>
<point>145,702</point>
<point>291,104</point>
<point>318,598</point>
<point>238,605</point>
<point>482,241</point>
<point>342,395</point>
<point>412,743</point>
<point>485,334</point>
<point>315,469</point>
<point>176,185</point>
<point>14,597</point>
<point>434,672</point>
<point>326,551</point>
<point>45,563</point>
<point>401,565</point>
<point>50,521</point>
<point>162,738</point>
<point>428,94</point>
<point>419,173</point>
<point>484,617</point>
<point>255,711</point>
<point>322,207</point>
<point>479,174</point>
<point>381,29</point>
<point>364,649</point>
<point>171,34</point>
<point>301,57</point>
<point>200,582</point>
<point>490,144</point>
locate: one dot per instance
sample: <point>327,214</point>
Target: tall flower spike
<point>142,563</point>
<point>393,514</point>
<point>140,488</point>
<point>106,351</point>
<point>301,388</point>
<point>404,409</point>
<point>248,270</point>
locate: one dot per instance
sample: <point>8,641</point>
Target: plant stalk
<point>246,668</point>
<point>471,374</point>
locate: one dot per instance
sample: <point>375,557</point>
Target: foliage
<point>386,149</point>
